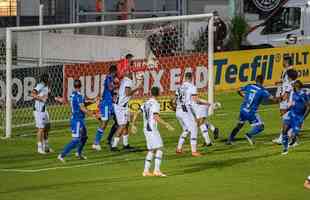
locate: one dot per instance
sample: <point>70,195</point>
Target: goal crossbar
<point>11,30</point>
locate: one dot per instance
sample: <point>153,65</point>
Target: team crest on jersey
<point>266,5</point>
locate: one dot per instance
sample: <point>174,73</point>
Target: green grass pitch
<point>223,173</point>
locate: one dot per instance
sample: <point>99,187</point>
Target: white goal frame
<point>10,31</point>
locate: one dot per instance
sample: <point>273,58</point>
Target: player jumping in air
<point>299,108</point>
<point>106,106</point>
<point>150,110</point>
<point>186,98</point>
<point>40,95</point>
<point>121,110</point>
<point>78,127</point>
<point>253,95</point>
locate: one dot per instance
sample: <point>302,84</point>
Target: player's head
<point>129,56</point>
<point>292,74</point>
<point>298,85</point>
<point>77,84</point>
<point>155,91</point>
<point>287,61</point>
<point>113,70</point>
<point>44,78</point>
<point>188,76</point>
<point>260,80</point>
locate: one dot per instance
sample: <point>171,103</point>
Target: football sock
<point>40,146</point>
<point>194,144</point>
<point>148,161</point>
<point>125,140</point>
<point>205,133</point>
<point>212,127</point>
<point>158,157</point>
<point>182,139</point>
<point>99,135</point>
<point>115,142</point>
<point>81,145</point>
<point>285,141</point>
<point>234,132</point>
<point>112,132</point>
<point>256,130</point>
<point>74,142</point>
<point>45,144</point>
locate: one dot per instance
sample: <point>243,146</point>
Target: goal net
<point>164,49</point>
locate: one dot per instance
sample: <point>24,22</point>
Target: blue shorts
<point>252,118</point>
<point>293,121</point>
<point>78,128</point>
<point>106,111</point>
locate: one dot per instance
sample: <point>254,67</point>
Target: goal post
<point>171,46</point>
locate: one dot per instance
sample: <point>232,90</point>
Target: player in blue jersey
<point>106,106</point>
<point>253,95</point>
<point>78,128</point>
<point>299,108</point>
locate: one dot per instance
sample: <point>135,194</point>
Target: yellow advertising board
<point>238,68</point>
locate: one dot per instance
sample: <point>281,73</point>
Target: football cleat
<point>96,147</point>
<point>277,141</point>
<point>249,139</point>
<point>40,151</point>
<point>196,154</point>
<point>159,174</point>
<point>179,151</point>
<point>59,157</point>
<point>145,174</point>
<point>285,152</point>
<point>81,157</point>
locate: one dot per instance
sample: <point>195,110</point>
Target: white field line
<point>66,167</point>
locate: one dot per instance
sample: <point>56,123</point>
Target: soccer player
<point>150,110</point>
<point>106,106</point>
<point>121,110</point>
<point>299,108</point>
<point>40,95</point>
<point>253,95</point>
<point>201,114</point>
<point>283,91</point>
<point>186,98</point>
<point>78,127</point>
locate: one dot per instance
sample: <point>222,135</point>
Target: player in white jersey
<point>286,89</point>
<point>121,110</point>
<point>150,110</point>
<point>40,96</point>
<point>186,99</point>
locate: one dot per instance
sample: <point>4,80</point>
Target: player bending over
<point>105,107</point>
<point>78,127</point>
<point>186,99</point>
<point>122,111</point>
<point>283,91</point>
<point>299,108</point>
<point>150,110</point>
<point>40,95</point>
<point>253,95</point>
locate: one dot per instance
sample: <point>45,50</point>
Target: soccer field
<point>223,172</point>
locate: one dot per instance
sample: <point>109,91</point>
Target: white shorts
<point>121,114</point>
<point>41,119</point>
<point>201,111</point>
<point>284,105</point>
<point>153,140</point>
<point>188,122</point>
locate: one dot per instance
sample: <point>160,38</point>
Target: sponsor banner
<point>25,79</point>
<point>165,104</point>
<point>232,70</point>
<point>238,68</point>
